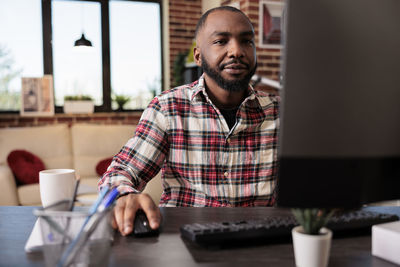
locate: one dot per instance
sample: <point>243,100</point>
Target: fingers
<point>113,221</point>
<point>131,206</point>
<point>119,213</point>
<point>124,213</point>
<point>152,211</point>
<point>126,208</point>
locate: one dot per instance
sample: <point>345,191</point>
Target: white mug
<point>56,185</point>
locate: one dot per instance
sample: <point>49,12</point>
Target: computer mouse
<point>142,226</point>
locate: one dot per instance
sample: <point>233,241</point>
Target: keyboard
<point>274,229</point>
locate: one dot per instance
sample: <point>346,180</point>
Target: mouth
<point>235,68</point>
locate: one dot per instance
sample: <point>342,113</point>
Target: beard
<point>236,85</point>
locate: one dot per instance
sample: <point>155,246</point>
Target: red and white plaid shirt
<point>203,162</point>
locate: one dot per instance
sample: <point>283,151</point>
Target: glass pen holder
<point>60,227</point>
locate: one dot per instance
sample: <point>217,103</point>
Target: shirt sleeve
<point>142,157</point>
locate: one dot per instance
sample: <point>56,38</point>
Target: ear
<point>197,56</point>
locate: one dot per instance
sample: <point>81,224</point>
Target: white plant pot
<point>311,250</point>
<point>80,106</point>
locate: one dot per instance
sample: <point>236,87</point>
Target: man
<point>214,139</point>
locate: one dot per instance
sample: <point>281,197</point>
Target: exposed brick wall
<point>15,120</point>
<point>183,17</point>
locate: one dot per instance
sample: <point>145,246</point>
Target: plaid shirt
<point>203,162</point>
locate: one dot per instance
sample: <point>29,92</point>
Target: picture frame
<point>270,24</point>
<point>37,96</point>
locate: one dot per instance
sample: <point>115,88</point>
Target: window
<point>76,71</point>
<point>21,50</point>
<point>135,51</point>
<point>126,58</point>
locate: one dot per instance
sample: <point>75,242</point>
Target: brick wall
<point>183,17</point>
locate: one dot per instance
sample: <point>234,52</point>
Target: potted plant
<point>78,104</point>
<point>179,69</point>
<point>121,100</point>
<point>311,239</point>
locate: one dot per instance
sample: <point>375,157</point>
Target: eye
<point>249,41</point>
<point>220,42</point>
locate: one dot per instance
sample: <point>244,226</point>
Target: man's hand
<point>125,210</point>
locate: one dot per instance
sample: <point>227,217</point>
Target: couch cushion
<point>51,143</point>
<point>25,166</point>
<point>87,191</point>
<point>29,195</point>
<point>102,166</point>
<point>92,143</point>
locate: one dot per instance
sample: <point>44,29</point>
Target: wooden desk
<point>169,249</point>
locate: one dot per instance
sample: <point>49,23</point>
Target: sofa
<point>80,146</point>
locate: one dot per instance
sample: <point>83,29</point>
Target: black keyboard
<point>272,229</point>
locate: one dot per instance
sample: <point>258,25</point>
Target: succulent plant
<point>312,219</point>
<point>121,100</point>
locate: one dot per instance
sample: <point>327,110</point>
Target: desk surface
<point>169,249</point>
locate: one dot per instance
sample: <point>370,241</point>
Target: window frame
<point>105,39</point>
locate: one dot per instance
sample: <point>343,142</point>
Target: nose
<point>235,50</point>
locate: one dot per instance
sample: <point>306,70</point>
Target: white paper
<point>35,240</point>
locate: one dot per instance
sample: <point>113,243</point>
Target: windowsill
<point>16,120</point>
<point>61,114</point>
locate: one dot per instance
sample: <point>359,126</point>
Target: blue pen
<point>108,200</point>
<point>99,199</point>
<point>88,227</point>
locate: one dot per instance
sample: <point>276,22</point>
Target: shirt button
<point>226,174</point>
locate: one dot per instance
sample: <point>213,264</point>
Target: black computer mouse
<point>142,226</point>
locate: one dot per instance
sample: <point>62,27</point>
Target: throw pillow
<point>25,166</point>
<point>102,166</point>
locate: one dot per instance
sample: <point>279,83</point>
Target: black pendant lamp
<point>83,41</point>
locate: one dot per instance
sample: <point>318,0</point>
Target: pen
<point>71,204</point>
<point>71,207</point>
<point>96,213</point>
<point>99,199</point>
<point>108,200</point>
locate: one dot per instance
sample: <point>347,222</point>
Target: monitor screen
<point>340,120</point>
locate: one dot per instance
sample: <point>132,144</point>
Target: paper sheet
<point>35,240</point>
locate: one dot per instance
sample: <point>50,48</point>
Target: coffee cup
<point>56,185</point>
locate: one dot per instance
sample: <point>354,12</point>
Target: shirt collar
<point>199,87</point>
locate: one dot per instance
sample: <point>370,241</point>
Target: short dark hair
<point>203,18</point>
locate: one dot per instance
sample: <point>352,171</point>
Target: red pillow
<point>102,166</point>
<point>25,166</point>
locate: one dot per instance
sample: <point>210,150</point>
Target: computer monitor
<point>340,121</point>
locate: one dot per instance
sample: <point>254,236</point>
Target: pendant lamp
<point>83,41</point>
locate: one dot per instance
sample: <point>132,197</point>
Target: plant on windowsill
<point>78,104</point>
<point>311,239</point>
<point>121,100</point>
<point>178,69</point>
